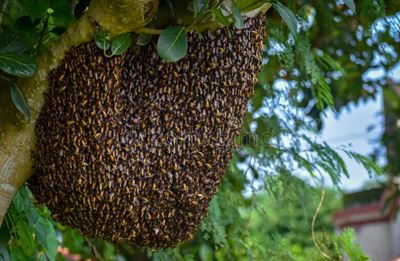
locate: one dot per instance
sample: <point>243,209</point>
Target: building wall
<point>395,235</point>
<point>376,240</point>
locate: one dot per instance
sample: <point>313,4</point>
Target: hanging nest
<point>131,148</point>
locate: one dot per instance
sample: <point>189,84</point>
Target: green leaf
<point>369,165</point>
<point>220,17</point>
<point>80,8</point>
<point>4,255</point>
<point>11,44</point>
<point>329,63</point>
<point>350,246</point>
<point>121,43</point>
<point>22,201</point>
<point>45,235</point>
<point>172,44</point>
<point>324,94</point>
<point>19,101</point>
<point>143,39</point>
<point>17,254</point>
<point>350,4</point>
<point>102,40</point>
<point>251,5</point>
<point>25,238</point>
<point>21,65</point>
<point>237,16</point>
<point>287,16</point>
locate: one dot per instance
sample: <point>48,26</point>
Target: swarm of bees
<point>131,148</point>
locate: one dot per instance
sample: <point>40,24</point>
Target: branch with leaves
<point>111,26</point>
<point>16,61</point>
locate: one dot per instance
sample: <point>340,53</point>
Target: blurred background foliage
<point>263,211</point>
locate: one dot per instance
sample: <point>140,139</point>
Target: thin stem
<point>147,30</point>
<point>253,192</point>
<point>314,219</point>
<point>42,33</point>
<point>171,8</point>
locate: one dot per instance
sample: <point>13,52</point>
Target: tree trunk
<point>17,140</point>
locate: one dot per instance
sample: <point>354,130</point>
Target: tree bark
<point>17,139</point>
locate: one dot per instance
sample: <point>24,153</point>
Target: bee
<point>145,135</point>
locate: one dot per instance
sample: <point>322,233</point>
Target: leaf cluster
<point>26,28</point>
<point>197,15</point>
<point>28,232</point>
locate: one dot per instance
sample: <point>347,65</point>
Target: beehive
<point>131,148</point>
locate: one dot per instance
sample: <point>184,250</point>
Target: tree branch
<point>17,140</point>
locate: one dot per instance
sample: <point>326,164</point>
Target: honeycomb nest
<point>131,148</point>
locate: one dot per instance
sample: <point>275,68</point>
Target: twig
<point>171,8</point>
<point>147,30</point>
<point>42,33</point>
<point>314,238</point>
<point>253,193</point>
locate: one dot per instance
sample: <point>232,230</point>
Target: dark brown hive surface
<point>132,149</point>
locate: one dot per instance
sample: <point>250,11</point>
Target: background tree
<point>320,53</point>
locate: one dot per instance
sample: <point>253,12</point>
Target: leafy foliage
<point>172,44</point>
<point>102,40</point>
<point>117,46</point>
<point>287,16</point>
<point>121,43</point>
<point>314,63</point>
<point>17,64</point>
<point>19,101</point>
<point>352,250</point>
<point>31,235</point>
<point>172,40</point>
<point>14,62</point>
<point>26,28</point>
<point>239,24</point>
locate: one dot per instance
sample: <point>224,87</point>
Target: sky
<point>349,128</point>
